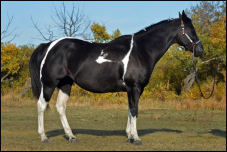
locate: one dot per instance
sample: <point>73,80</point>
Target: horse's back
<point>78,59</point>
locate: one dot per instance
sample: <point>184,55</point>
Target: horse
<point>124,64</point>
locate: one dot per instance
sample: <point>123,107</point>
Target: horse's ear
<point>180,16</point>
<point>184,16</point>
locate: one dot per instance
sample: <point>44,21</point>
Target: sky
<point>127,16</point>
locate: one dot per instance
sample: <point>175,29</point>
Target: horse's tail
<point>34,68</point>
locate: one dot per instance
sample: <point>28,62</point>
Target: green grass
<point>104,129</point>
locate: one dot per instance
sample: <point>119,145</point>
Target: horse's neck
<point>157,44</point>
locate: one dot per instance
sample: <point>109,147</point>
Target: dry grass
<point>121,102</point>
<point>4,110</point>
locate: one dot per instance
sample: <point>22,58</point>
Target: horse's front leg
<point>131,131</point>
<point>128,128</point>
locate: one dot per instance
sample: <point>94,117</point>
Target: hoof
<point>73,140</point>
<point>129,140</point>
<point>45,141</point>
<point>138,142</point>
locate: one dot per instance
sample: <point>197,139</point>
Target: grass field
<point>103,129</point>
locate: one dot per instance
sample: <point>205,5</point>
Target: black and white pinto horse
<point>124,64</point>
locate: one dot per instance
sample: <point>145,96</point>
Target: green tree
<point>99,33</point>
<point>115,34</point>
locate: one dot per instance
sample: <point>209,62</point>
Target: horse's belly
<point>100,82</point>
<point>101,86</point>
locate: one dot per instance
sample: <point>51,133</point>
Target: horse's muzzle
<point>198,51</point>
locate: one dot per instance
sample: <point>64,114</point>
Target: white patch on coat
<point>101,59</point>
<point>126,59</point>
<point>50,47</point>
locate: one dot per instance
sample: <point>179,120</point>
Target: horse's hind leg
<point>64,89</point>
<point>42,103</point>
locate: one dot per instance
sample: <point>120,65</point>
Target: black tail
<point>34,68</point>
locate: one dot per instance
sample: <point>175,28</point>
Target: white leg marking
<point>126,59</point>
<point>128,128</point>
<point>41,105</point>
<point>61,108</point>
<point>101,59</point>
<point>133,129</point>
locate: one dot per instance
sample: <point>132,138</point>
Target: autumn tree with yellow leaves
<point>14,66</point>
<point>10,62</point>
<point>175,68</point>
<point>100,34</point>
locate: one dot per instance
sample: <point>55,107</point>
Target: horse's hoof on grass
<point>46,141</point>
<point>73,140</point>
<point>138,142</point>
<point>129,140</point>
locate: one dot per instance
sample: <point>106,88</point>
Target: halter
<point>194,64</point>
<point>184,33</point>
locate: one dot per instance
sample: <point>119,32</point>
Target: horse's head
<point>187,36</point>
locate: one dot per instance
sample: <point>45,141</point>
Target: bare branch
<point>42,35</point>
<point>207,61</point>
<point>69,23</point>
<point>5,33</point>
<point>72,23</point>
<point>2,79</point>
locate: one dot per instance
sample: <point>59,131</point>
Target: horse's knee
<point>134,112</point>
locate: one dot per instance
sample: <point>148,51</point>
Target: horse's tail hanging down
<point>34,68</point>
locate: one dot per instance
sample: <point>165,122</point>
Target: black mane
<point>155,26</point>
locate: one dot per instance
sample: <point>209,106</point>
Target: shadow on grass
<point>94,132</point>
<point>218,132</point>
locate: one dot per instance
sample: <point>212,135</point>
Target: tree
<point>115,34</point>
<point>9,61</point>
<point>210,25</point>
<point>99,33</point>
<point>72,23</point>
<point>209,20</point>
<point>206,17</point>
